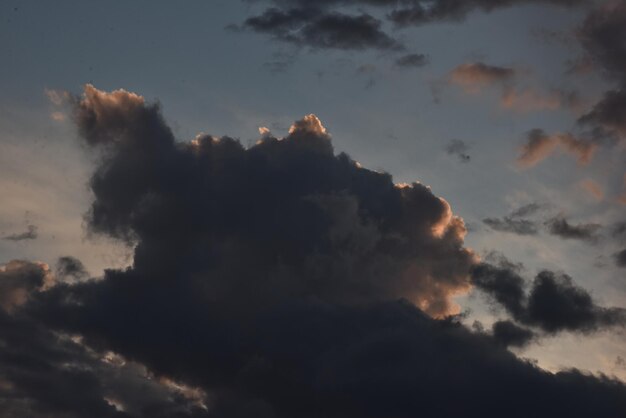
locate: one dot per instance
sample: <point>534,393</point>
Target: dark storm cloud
<point>285,280</point>
<point>30,233</point>
<point>553,304</point>
<point>560,227</point>
<point>411,61</point>
<point>325,30</point>
<point>44,374</point>
<point>508,334</point>
<point>459,149</point>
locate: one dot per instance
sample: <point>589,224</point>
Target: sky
<point>296,208</point>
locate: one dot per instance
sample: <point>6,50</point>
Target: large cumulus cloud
<point>281,279</point>
<point>287,214</point>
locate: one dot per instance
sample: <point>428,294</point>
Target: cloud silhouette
<point>277,280</point>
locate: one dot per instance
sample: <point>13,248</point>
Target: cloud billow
<point>282,280</point>
<point>554,303</point>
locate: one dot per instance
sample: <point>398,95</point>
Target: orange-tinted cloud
<point>473,77</point>
<point>540,145</point>
<point>528,100</point>
<point>593,188</point>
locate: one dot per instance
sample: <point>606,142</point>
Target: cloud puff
<point>592,188</point>
<point>474,76</point>
<point>601,36</point>
<point>553,304</point>
<point>18,279</point>
<point>411,61</point>
<point>458,148</point>
<point>509,334</point>
<point>30,233</point>
<point>527,100</point>
<point>515,222</point>
<point>539,145</point>
<point>560,227</point>
<point>620,258</point>
<point>423,11</point>
<point>512,225</point>
<point>280,280</point>
<point>327,25</point>
<point>322,29</point>
<point>69,267</point>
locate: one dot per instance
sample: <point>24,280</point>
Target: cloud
<point>540,145</point>
<point>280,280</point>
<point>560,227</point>
<point>30,233</point>
<point>47,374</point>
<point>473,77</point>
<point>459,149</point>
<point>411,61</point>
<point>620,258</point>
<point>607,116</point>
<point>18,279</point>
<point>300,191</point>
<point>526,210</point>
<point>553,304</point>
<point>512,225</point>
<point>529,100</point>
<point>326,24</point>
<point>622,197</point>
<point>592,188</point>
<point>324,30</point>
<point>514,222</point>
<point>600,35</point>
<point>508,334</point>
<point>422,11</point>
<point>68,267</point>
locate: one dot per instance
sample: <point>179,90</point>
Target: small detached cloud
<point>553,304</point>
<point>515,222</point>
<point>473,77</point>
<point>459,149</point>
<point>593,189</point>
<point>321,29</point>
<point>560,227</point>
<point>30,234</point>
<point>540,145</point>
<point>411,61</point>
<point>512,225</point>
<point>527,100</point>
